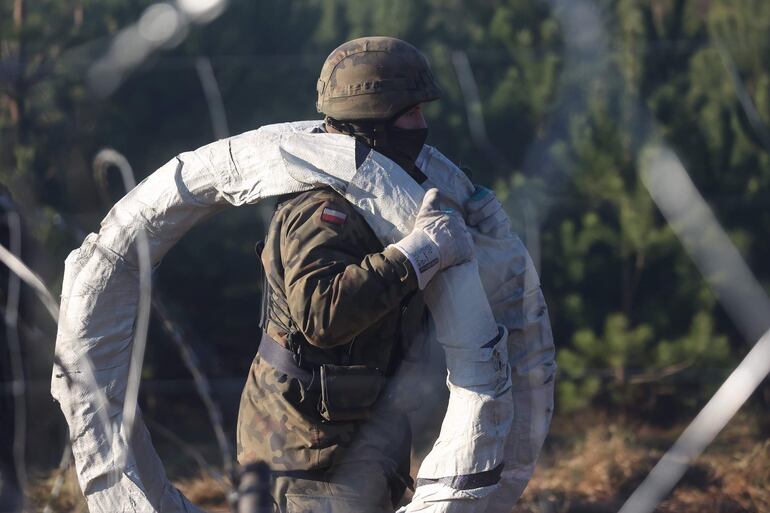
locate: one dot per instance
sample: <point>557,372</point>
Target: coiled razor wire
<point>103,159</point>
<point>102,162</point>
<point>161,24</point>
<point>21,272</point>
<point>742,380</point>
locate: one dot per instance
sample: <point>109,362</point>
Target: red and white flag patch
<point>333,216</point>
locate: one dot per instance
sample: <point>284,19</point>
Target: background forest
<point>550,102</point>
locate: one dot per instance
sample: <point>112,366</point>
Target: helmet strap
<point>370,132</point>
<point>373,132</point>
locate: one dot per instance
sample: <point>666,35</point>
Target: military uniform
<point>333,297</point>
<point>338,309</point>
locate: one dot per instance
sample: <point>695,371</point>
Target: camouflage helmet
<point>374,78</point>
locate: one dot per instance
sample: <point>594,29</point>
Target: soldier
<point>339,308</point>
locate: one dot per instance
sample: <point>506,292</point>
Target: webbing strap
<point>282,359</point>
<point>498,337</point>
<point>467,481</point>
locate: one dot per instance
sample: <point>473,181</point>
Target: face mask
<point>403,146</point>
<point>400,145</point>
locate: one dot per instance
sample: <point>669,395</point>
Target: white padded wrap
<point>100,294</point>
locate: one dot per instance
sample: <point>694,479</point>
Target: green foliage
<point>566,105</point>
<point>667,328</point>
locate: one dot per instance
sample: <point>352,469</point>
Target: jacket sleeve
<point>338,280</point>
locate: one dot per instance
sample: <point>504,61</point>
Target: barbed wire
<point>20,271</point>
<point>474,111</point>
<point>170,326</point>
<point>18,385</point>
<point>202,384</point>
<point>742,93</point>
<point>742,379</point>
<point>206,468</point>
<point>742,296</point>
<point>213,97</point>
<point>102,161</point>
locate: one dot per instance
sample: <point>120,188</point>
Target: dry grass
<point>205,492</point>
<point>597,473</point>
<point>584,470</point>
<point>39,492</point>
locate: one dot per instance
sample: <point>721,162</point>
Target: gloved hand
<point>438,240</point>
<point>485,212</point>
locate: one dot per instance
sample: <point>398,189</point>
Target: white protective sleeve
<point>513,290</point>
<point>99,301</point>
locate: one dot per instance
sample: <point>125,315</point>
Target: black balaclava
<point>400,145</point>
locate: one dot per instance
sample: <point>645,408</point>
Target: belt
<point>283,359</point>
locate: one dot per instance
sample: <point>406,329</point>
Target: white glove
<point>438,240</point>
<point>485,212</point>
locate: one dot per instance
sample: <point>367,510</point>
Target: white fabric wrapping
<point>100,291</point>
<point>513,289</point>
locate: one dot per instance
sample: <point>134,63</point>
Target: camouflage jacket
<point>330,281</point>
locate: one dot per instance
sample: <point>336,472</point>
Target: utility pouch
<point>348,392</point>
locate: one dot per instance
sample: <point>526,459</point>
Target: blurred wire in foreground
<point>475,110</point>
<point>102,161</point>
<point>18,268</point>
<point>213,97</point>
<point>253,495</point>
<point>704,239</point>
<point>477,126</point>
<point>20,271</point>
<point>201,382</point>
<point>18,388</point>
<point>193,453</point>
<point>724,268</point>
<point>749,108</point>
<point>735,391</point>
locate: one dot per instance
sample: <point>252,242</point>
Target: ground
<point>590,465</point>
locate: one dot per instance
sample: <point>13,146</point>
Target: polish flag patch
<point>333,216</point>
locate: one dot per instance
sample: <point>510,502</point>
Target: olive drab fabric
<point>358,487</point>
<point>332,286</point>
<point>330,277</point>
<point>374,78</point>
